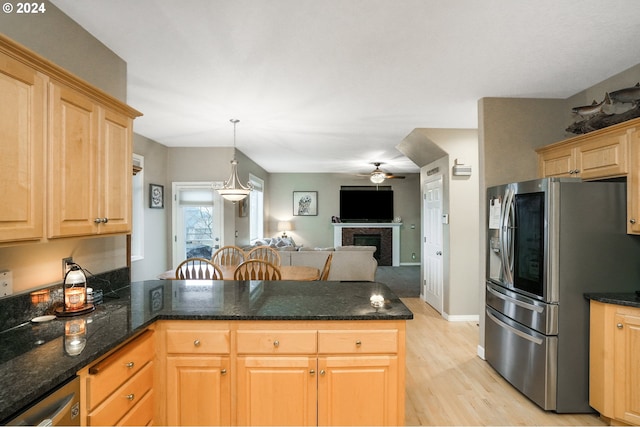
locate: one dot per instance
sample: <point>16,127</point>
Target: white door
<point>432,281</point>
<point>197,220</point>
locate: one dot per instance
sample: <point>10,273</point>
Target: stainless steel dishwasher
<point>61,407</point>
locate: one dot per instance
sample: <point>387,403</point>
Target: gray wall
<point>317,231</point>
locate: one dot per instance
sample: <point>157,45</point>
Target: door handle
<point>439,253</point>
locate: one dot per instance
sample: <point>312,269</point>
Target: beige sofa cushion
<point>349,263</point>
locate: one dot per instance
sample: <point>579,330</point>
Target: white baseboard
<point>409,263</point>
<point>461,317</point>
<point>481,352</point>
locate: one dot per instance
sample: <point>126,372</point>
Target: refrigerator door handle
<point>506,235</point>
<point>516,301</point>
<point>513,330</point>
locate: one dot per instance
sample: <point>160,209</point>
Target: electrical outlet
<point>6,283</point>
<point>65,262</point>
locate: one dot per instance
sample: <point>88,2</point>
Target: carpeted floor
<point>404,281</point>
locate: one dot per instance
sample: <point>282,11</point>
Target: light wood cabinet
<point>633,184</point>
<point>276,381</point>
<point>282,372</point>
<point>612,152</point>
<point>90,155</point>
<point>597,155</point>
<point>66,152</point>
<point>614,367</point>
<point>118,390</point>
<point>198,379</point>
<point>22,147</point>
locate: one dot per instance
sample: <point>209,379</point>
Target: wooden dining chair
<point>257,269</point>
<point>198,268</point>
<point>324,274</point>
<point>228,255</point>
<point>265,253</point>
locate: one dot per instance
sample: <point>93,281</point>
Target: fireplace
<point>381,238</point>
<point>369,240</point>
<point>389,249</point>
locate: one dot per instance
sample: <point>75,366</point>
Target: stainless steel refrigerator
<point>549,242</point>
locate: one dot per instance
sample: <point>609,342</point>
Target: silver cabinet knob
<point>358,343</point>
<point>276,343</point>
<point>312,372</point>
<point>439,253</point>
<point>619,325</point>
<point>632,220</point>
<point>130,365</point>
<point>223,372</point>
<point>130,396</point>
<point>322,372</point>
<point>196,343</point>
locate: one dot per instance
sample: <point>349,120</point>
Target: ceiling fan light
<point>378,177</point>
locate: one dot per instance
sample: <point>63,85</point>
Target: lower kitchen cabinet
<point>197,373</point>
<point>358,390</point>
<point>281,372</point>
<point>118,389</point>
<point>614,367</point>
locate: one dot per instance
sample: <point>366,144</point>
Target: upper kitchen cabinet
<point>63,141</point>
<point>612,152</point>
<point>633,184</point>
<point>89,180</point>
<point>22,144</point>
<point>596,155</point>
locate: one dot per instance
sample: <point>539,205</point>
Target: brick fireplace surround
<point>386,248</point>
<point>389,232</point>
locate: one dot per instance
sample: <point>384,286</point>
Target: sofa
<point>349,263</point>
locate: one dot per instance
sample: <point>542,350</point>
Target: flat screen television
<point>366,205</point>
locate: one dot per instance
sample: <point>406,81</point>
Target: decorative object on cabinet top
<point>616,107</point>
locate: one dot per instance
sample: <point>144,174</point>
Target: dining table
<point>287,272</point>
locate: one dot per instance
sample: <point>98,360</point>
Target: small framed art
<point>305,203</point>
<point>156,196</point>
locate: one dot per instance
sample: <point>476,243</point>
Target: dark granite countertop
<point>629,299</point>
<point>33,359</point>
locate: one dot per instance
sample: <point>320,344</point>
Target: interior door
<point>197,220</point>
<point>432,265</point>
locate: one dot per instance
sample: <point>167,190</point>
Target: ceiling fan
<point>378,176</point>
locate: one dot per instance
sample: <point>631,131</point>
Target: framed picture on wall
<point>305,203</point>
<point>156,196</point>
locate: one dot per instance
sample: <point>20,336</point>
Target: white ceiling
<point>333,85</point>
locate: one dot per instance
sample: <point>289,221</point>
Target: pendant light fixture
<point>233,189</point>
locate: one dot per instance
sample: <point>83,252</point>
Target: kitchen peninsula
<point>325,338</point>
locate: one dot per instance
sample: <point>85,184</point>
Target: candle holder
<point>75,336</point>
<point>75,293</point>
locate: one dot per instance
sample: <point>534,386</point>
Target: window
<point>256,209</point>
<point>137,228</point>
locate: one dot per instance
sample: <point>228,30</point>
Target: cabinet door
<point>633,184</point>
<point>627,371</point>
<point>605,156</point>
<point>276,390</point>
<point>358,390</point>
<point>557,162</point>
<point>22,135</point>
<point>198,391</point>
<point>73,141</point>
<point>115,173</point>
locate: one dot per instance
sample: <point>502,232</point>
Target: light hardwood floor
<point>448,384</point>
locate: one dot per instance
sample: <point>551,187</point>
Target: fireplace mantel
<point>395,228</point>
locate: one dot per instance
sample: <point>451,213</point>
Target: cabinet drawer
<point>110,373</point>
<point>141,414</point>
<point>356,341</point>
<point>198,342</point>
<point>277,342</point>
<point>124,399</point>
